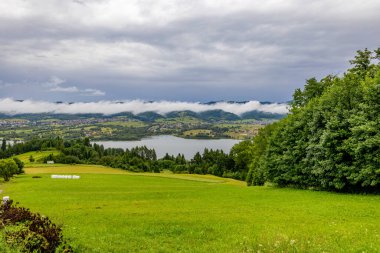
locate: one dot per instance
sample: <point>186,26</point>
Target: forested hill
<point>150,116</point>
<point>238,120</point>
<point>331,138</point>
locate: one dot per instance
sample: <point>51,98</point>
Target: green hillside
<point>37,155</point>
<point>124,212</point>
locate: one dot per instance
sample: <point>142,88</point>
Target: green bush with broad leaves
<point>25,231</point>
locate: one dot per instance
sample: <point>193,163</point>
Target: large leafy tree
<point>8,168</point>
<point>331,138</point>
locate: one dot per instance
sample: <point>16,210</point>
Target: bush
<point>20,165</point>
<point>61,158</point>
<point>30,232</point>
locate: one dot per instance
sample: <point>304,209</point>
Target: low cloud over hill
<point>11,106</point>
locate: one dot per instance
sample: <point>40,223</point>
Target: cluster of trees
<point>8,150</point>
<point>214,162</point>
<point>331,138</point>
<point>143,159</point>
<point>10,167</point>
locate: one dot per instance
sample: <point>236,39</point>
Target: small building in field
<point>50,162</point>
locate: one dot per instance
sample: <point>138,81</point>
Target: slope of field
<point>109,210</point>
<point>37,155</point>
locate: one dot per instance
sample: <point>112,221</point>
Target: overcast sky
<point>92,50</point>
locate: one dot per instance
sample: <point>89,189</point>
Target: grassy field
<point>125,123</point>
<point>196,132</point>
<point>241,131</point>
<point>37,155</point>
<point>109,210</point>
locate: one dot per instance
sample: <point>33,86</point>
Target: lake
<point>173,145</point>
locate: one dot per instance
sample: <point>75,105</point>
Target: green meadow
<point>109,210</point>
<point>37,155</point>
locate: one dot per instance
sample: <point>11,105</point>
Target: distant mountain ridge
<point>210,115</point>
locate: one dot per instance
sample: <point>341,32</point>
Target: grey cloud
<point>93,92</point>
<point>54,84</point>
<point>65,89</point>
<point>246,47</point>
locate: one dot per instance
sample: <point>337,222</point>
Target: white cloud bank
<point>11,106</point>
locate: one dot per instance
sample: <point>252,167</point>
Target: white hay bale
<point>5,199</point>
<point>65,177</point>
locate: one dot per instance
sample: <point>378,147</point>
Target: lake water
<point>173,145</point>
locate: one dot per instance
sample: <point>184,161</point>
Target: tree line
<point>138,159</point>
<point>331,138</point>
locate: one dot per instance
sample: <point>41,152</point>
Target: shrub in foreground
<point>30,232</point>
